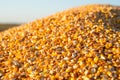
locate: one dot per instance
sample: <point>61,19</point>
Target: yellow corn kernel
<point>108,45</point>
<point>72,78</point>
<point>109,73</point>
<point>69,69</point>
<point>96,59</point>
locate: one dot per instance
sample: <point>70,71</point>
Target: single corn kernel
<point>96,59</point>
<point>69,69</point>
<point>108,45</point>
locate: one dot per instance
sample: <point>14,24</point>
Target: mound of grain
<point>82,43</point>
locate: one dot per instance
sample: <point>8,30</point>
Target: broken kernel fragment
<point>78,44</point>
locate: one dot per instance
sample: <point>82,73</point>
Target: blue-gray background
<point>22,11</point>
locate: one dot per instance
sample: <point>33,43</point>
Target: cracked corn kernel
<point>78,44</point>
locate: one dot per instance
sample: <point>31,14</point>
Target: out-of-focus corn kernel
<point>26,65</point>
<point>96,59</point>
<point>89,60</point>
<point>102,57</point>
<point>75,66</point>
<point>85,78</point>
<point>72,79</point>
<point>109,73</point>
<point>100,68</point>
<point>110,56</point>
<point>108,45</point>
<point>69,69</point>
<point>100,20</point>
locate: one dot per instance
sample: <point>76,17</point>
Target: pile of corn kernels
<point>81,43</point>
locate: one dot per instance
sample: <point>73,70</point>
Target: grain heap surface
<point>82,43</point>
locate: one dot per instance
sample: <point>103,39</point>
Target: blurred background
<point>16,12</point>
